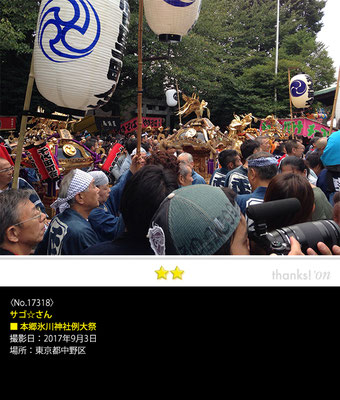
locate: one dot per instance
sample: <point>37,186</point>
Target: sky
<point>329,34</point>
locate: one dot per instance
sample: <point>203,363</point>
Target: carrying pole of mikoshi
<point>23,125</point>
<point>140,82</point>
<point>179,103</point>
<point>290,104</point>
<point>334,104</point>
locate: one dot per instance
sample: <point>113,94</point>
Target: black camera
<point>308,234</point>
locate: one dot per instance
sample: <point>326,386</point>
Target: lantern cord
<point>334,104</point>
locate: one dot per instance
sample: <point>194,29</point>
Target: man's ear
<point>251,173</point>
<point>79,198</point>
<point>12,234</point>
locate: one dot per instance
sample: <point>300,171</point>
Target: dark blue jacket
<point>326,181</point>
<point>237,180</point>
<point>218,177</point>
<point>68,234</point>
<point>106,220</point>
<point>197,178</point>
<point>244,200</point>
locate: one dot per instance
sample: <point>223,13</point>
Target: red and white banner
<point>4,154</point>
<point>41,157</point>
<point>112,157</point>
<point>8,123</point>
<point>131,125</point>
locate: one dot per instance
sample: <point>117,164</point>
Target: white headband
<point>79,183</point>
<point>99,178</point>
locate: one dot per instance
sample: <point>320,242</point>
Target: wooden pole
<point>334,103</point>
<point>277,51</point>
<point>140,78</point>
<point>179,103</point>
<point>23,125</point>
<point>291,107</point>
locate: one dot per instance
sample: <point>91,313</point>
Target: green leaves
<point>17,25</point>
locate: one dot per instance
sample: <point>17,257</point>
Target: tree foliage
<point>228,59</point>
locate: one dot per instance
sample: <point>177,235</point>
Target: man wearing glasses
<point>22,224</point>
<point>6,177</point>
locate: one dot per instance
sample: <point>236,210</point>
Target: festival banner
<point>4,154</point>
<point>43,161</point>
<point>131,125</point>
<point>301,127</point>
<point>8,123</point>
<point>106,124</point>
<point>112,157</point>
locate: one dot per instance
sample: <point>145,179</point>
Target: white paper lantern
<point>171,97</point>
<point>171,19</point>
<point>78,50</point>
<point>301,91</point>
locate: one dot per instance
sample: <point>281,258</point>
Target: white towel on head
<point>99,178</point>
<point>79,183</point>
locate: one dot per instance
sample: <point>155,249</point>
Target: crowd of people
<point>154,202</point>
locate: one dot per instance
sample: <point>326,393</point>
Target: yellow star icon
<point>162,273</point>
<point>177,273</point>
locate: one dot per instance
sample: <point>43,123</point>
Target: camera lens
<point>308,234</point>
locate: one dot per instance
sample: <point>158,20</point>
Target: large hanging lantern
<point>171,19</point>
<point>78,50</point>
<point>301,91</point>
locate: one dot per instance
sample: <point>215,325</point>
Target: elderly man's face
<point>187,179</point>
<point>184,158</point>
<point>91,196</point>
<point>104,193</point>
<point>265,145</point>
<point>298,151</point>
<point>31,224</point>
<point>6,173</point>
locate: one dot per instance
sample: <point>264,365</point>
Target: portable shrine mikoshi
<point>199,136</point>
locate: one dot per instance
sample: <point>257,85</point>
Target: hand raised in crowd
<point>138,161</point>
